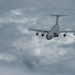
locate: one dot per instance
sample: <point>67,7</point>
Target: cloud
<point>19,45</point>
<point>17,12</point>
<point>7,57</point>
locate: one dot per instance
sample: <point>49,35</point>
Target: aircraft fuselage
<point>54,32</point>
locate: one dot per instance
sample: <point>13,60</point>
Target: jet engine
<point>56,35</point>
<point>64,35</point>
<point>37,34</point>
<point>42,34</point>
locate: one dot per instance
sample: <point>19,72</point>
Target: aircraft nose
<point>48,37</point>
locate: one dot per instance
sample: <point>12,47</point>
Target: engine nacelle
<point>64,35</point>
<point>37,34</point>
<point>49,37</point>
<point>56,35</point>
<point>42,34</point>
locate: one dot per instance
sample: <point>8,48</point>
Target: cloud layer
<point>19,45</point>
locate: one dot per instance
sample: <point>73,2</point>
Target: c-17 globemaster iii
<point>54,31</point>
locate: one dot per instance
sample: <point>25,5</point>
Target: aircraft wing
<point>66,31</point>
<point>38,30</point>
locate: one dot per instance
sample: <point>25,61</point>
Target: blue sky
<point>21,52</point>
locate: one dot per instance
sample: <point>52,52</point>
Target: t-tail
<point>57,17</point>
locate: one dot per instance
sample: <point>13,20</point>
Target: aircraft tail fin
<point>57,17</point>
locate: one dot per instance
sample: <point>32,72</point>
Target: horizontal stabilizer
<point>58,15</point>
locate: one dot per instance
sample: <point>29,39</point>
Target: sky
<point>22,52</point>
